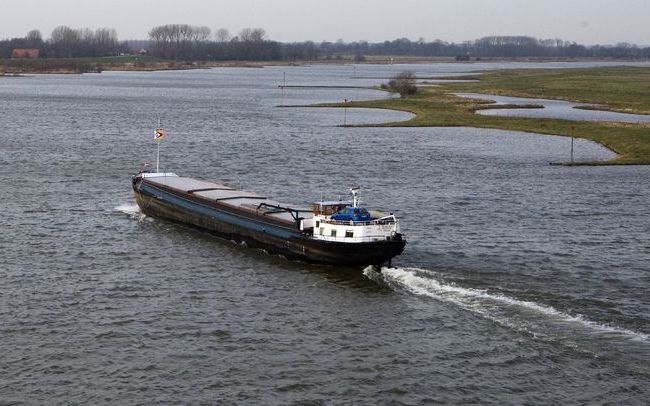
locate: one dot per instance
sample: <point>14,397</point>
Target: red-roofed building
<point>25,53</point>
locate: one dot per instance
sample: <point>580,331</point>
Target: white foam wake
<point>131,209</point>
<point>522,315</point>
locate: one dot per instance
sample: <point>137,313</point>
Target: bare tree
<point>199,34</point>
<point>178,40</point>
<point>65,41</point>
<point>86,45</point>
<point>258,35</point>
<point>33,39</point>
<point>106,42</point>
<point>252,35</point>
<point>222,35</point>
<point>246,35</point>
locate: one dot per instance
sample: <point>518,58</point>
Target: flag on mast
<point>159,134</point>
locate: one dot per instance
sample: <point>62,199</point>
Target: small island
<point>620,89</point>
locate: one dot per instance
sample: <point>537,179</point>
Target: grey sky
<point>583,21</point>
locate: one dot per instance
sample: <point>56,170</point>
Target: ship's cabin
<point>329,207</point>
<point>346,221</point>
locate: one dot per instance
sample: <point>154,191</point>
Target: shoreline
<point>619,89</point>
<point>412,123</point>
<point>150,64</point>
<point>439,107</point>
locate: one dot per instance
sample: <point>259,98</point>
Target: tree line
<point>486,47</point>
<point>189,42</point>
<point>66,42</point>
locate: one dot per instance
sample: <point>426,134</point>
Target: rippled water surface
<point>521,283</point>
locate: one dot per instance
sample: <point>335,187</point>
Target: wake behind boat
<point>330,232</point>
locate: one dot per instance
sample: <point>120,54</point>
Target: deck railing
<point>380,221</point>
<point>351,239</point>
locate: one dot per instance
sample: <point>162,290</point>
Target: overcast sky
<point>583,21</point>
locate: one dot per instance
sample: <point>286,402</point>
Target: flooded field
<point>552,109</point>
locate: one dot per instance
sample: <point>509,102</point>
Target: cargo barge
<point>329,232</point>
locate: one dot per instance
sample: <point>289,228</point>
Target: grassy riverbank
<point>624,89</point>
<point>151,63</point>
<point>621,89</point>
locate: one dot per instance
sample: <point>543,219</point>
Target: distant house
<point>25,53</point>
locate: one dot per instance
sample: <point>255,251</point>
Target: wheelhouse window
<point>333,233</point>
<point>349,233</point>
<point>317,223</point>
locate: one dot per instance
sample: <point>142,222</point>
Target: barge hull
<point>296,246</point>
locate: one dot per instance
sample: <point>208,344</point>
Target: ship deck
<point>221,193</point>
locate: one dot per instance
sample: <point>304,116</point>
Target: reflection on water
<point>552,109</point>
<point>357,116</point>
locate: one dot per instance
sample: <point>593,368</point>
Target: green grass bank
<point>624,89</point>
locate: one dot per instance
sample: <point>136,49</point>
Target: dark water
<point>552,109</point>
<point>522,283</point>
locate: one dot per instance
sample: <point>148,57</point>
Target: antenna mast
<point>355,196</point>
<point>159,135</point>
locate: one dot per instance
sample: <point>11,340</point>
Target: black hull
<point>297,247</point>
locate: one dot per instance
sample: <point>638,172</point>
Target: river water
<point>521,283</point>
<point>551,109</point>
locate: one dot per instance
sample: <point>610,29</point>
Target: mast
<point>158,153</point>
<point>159,135</point>
<point>158,159</point>
<point>355,196</point>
